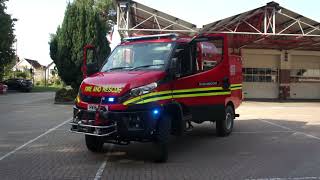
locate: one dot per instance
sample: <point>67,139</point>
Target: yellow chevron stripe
<point>197,89</point>
<point>232,85</point>
<point>236,88</point>
<point>146,95</point>
<point>154,99</point>
<point>168,92</point>
<point>181,95</point>
<point>184,96</point>
<point>131,100</point>
<point>201,94</point>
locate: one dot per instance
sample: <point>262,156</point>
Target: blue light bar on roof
<point>156,36</point>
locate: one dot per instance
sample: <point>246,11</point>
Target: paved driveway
<point>270,141</point>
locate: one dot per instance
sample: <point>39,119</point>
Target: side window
<point>209,54</point>
<point>183,54</point>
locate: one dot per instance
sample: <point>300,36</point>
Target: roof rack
<point>149,37</point>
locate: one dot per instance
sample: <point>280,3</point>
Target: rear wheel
<point>94,143</point>
<point>224,125</point>
<point>162,138</point>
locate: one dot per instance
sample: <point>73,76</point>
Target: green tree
<point>7,38</point>
<point>82,24</point>
<point>107,11</point>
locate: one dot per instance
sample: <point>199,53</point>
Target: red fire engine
<point>154,86</point>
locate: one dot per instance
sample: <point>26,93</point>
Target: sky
<point>37,19</point>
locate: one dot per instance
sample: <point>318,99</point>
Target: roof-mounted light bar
<point>150,37</point>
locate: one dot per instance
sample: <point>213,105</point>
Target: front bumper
<point>137,124</point>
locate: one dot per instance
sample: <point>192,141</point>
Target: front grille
<point>97,99</point>
<point>90,99</point>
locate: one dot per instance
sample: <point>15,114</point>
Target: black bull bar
<point>114,123</point>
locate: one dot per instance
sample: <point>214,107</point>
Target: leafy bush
<point>40,83</point>
<point>21,74</point>
<point>57,81</point>
<point>65,95</point>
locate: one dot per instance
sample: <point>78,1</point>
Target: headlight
<point>143,89</point>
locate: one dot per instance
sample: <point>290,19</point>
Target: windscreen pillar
<point>284,76</point>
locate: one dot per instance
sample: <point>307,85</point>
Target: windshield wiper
<point>149,65</point>
<point>123,67</point>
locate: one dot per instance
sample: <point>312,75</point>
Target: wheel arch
<point>176,110</point>
<point>230,103</point>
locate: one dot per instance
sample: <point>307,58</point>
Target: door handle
<point>225,83</point>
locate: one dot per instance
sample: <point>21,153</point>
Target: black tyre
<point>94,143</point>
<point>162,138</point>
<point>224,125</point>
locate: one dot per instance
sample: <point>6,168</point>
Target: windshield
<point>139,56</point>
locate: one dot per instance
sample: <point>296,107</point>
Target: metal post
<point>274,20</point>
<point>118,15</point>
<point>32,76</point>
<point>45,77</point>
<point>127,18</point>
<point>265,21</point>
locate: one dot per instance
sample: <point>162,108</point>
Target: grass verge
<point>45,89</point>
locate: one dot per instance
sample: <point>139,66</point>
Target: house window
<point>260,74</point>
<point>304,75</point>
<point>52,72</point>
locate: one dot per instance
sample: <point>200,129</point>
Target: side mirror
<point>92,68</point>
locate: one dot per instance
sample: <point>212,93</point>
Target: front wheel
<point>224,125</point>
<point>162,138</point>
<point>94,143</point>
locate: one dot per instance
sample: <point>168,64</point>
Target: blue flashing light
<point>155,111</point>
<point>111,99</point>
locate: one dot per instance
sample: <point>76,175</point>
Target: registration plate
<point>92,107</point>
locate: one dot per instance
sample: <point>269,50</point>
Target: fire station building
<point>280,48</point>
<point>294,74</point>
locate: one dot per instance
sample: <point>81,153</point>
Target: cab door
<point>202,80</point>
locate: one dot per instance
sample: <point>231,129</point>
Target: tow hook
<point>104,113</point>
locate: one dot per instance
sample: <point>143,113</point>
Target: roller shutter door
<point>261,76</point>
<point>305,77</point>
